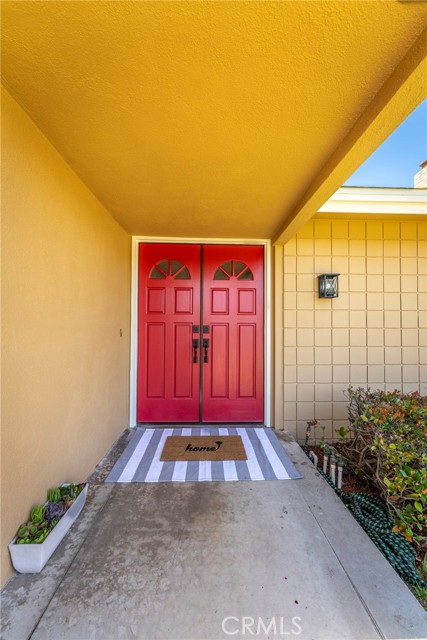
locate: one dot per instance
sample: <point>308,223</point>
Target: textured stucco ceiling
<point>203,119</point>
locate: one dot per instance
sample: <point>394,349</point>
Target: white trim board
<point>136,241</point>
<point>376,200</point>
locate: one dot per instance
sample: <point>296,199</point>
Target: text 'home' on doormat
<point>203,448</point>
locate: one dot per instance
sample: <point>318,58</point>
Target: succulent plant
<point>45,517</point>
<point>71,490</point>
<point>53,495</point>
<point>37,514</point>
<point>55,510</point>
<point>54,522</point>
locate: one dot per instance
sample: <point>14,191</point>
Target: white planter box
<point>31,558</point>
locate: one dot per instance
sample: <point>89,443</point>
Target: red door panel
<point>169,308</point>
<point>233,376</point>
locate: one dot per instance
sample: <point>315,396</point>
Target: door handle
<point>205,347</point>
<point>195,350</point>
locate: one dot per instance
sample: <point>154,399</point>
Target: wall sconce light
<point>328,285</point>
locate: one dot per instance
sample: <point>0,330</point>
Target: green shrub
<point>389,446</point>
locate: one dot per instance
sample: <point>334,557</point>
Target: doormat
<point>203,448</point>
<point>266,458</point>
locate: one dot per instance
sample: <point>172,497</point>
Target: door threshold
<point>199,425</point>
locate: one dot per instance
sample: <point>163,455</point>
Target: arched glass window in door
<point>233,269</point>
<point>169,269</point>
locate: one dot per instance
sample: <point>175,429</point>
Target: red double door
<point>200,333</point>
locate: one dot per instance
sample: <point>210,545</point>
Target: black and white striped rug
<point>140,461</point>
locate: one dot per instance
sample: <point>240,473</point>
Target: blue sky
<point>397,160</point>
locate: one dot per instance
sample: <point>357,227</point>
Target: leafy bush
<point>389,447</point>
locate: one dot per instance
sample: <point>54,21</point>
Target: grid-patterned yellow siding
<point>374,334</point>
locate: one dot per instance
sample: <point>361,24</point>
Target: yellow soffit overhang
<point>400,95</point>
<point>215,119</point>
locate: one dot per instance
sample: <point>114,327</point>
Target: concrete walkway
<point>210,561</point>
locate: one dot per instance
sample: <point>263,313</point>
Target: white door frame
<point>136,241</point>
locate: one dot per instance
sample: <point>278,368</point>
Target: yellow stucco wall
<point>65,297</point>
<point>374,333</point>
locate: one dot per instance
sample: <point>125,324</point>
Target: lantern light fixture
<point>328,285</point>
